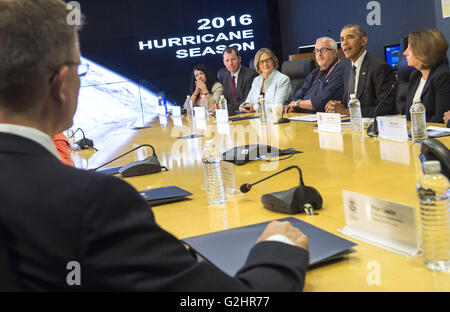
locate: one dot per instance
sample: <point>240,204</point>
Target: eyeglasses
<point>266,61</point>
<point>82,69</point>
<point>322,51</point>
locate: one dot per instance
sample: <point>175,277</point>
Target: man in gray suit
<point>235,78</point>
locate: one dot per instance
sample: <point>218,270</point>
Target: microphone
<point>283,120</point>
<point>149,165</point>
<point>372,131</point>
<point>84,143</point>
<point>292,201</point>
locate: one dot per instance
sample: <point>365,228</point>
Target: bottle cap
<point>432,166</point>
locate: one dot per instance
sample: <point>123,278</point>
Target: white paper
<point>329,122</point>
<point>312,117</point>
<point>393,128</point>
<point>380,222</point>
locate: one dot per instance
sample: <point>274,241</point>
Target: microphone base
<point>283,120</point>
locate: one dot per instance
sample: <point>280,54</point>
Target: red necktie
<point>233,89</point>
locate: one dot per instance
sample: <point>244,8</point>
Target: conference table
<point>331,162</point>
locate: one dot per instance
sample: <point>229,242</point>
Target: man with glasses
<point>323,84</point>
<point>67,229</point>
<point>367,76</point>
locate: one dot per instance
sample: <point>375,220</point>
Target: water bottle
<point>215,190</point>
<point>204,103</point>
<point>188,106</point>
<point>262,109</point>
<point>434,197</point>
<point>418,121</point>
<point>162,101</point>
<point>355,113</point>
<point>223,103</point>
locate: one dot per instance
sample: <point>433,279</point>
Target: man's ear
<point>365,40</point>
<point>58,85</point>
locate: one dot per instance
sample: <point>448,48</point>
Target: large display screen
<point>156,43</point>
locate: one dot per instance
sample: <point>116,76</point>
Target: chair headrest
<point>297,69</point>
<point>404,70</point>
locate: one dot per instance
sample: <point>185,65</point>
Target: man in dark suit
<point>74,230</point>
<point>365,75</point>
<point>236,79</point>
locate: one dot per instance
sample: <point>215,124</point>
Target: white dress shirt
<point>358,65</point>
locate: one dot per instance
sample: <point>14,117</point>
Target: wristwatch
<point>297,103</point>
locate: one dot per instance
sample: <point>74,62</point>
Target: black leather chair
<point>297,71</point>
<point>403,73</point>
<point>8,277</point>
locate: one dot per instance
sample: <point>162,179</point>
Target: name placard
<point>221,115</point>
<point>161,111</point>
<point>229,178</point>
<point>199,112</point>
<point>379,222</point>
<point>176,111</point>
<point>329,122</point>
<point>393,128</point>
<point>177,121</point>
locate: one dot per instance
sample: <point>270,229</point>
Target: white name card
<point>221,115</point>
<point>393,128</point>
<point>177,121</point>
<point>161,111</point>
<point>223,128</point>
<point>329,122</point>
<point>385,224</point>
<point>199,112</point>
<point>176,111</point>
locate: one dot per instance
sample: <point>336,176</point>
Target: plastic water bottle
<point>262,109</point>
<point>355,113</point>
<point>162,101</point>
<point>223,103</point>
<point>204,103</point>
<point>215,190</point>
<point>188,106</point>
<point>418,121</point>
<point>434,202</point>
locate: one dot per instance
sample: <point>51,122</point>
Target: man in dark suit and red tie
<point>235,78</point>
<point>367,76</point>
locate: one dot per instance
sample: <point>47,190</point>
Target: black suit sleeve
<point>125,249</point>
<point>442,94</point>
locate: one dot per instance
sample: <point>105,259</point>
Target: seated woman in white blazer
<point>275,86</point>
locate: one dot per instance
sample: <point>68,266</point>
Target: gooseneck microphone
<point>84,143</point>
<point>149,165</point>
<point>292,201</point>
<point>372,131</point>
<point>283,120</point>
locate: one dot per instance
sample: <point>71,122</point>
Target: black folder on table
<point>164,195</point>
<point>229,249</point>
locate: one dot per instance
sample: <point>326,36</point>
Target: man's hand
<point>446,116</point>
<point>336,107</point>
<point>247,108</point>
<point>287,229</point>
<point>291,107</point>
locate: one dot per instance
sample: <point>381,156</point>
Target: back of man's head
<point>35,37</point>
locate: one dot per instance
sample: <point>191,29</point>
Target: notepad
<point>164,195</point>
<point>229,249</point>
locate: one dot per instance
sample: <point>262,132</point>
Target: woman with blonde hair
<point>272,84</point>
<point>427,52</point>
